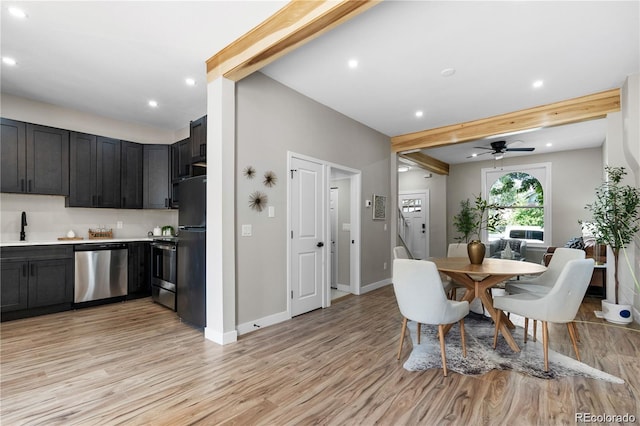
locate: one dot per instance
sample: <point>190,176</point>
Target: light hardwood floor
<point>136,363</point>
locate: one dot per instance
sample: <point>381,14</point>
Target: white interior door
<point>415,209</point>
<point>307,235</point>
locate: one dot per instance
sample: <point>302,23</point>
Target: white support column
<point>221,277</point>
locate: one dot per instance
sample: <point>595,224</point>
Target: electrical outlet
<point>119,224</point>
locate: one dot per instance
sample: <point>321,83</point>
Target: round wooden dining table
<point>479,279</point>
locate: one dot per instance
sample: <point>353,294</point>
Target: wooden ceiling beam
<point>575,110</point>
<point>297,23</point>
<point>426,162</point>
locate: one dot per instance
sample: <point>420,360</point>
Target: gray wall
<point>271,120</point>
<point>574,176</point>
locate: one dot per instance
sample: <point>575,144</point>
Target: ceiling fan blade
<point>520,149</point>
<point>482,153</point>
<point>483,147</point>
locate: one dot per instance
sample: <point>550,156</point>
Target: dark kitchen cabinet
<point>139,270</point>
<point>181,159</point>
<point>131,175</point>
<point>14,290</point>
<point>35,159</point>
<point>94,171</point>
<point>36,280</point>
<point>156,179</point>
<point>198,136</point>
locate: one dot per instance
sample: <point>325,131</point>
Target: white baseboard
<point>262,322</point>
<point>374,286</point>
<point>220,338</point>
<point>344,287</point>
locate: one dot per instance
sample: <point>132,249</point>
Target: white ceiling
<point>110,58</point>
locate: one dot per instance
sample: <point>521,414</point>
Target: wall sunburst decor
<point>270,179</point>
<point>258,200</point>
<point>249,172</point>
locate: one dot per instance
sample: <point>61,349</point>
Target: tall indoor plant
<point>470,221</point>
<point>616,215</point>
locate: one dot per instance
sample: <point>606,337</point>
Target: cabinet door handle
<point>21,185</point>
<point>166,202</point>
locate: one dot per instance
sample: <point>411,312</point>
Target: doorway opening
<point>414,207</point>
<point>324,227</point>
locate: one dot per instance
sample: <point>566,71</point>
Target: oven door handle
<point>164,247</point>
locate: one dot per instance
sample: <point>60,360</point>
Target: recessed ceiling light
<point>403,169</point>
<point>17,12</point>
<point>190,81</point>
<point>538,84</point>
<point>474,155</point>
<point>419,114</point>
<point>549,144</point>
<point>153,104</point>
<point>8,61</point>
<point>448,72</point>
<point>353,63</point>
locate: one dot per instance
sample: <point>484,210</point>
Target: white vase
<point>617,314</point>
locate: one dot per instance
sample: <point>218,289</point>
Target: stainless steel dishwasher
<point>100,271</point>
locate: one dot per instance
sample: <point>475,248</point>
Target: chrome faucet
<point>24,223</point>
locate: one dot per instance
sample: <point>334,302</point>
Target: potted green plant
<point>616,220</point>
<point>471,221</point>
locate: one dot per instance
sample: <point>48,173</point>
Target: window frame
<point>542,172</point>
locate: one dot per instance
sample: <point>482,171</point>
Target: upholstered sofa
<point>518,248</point>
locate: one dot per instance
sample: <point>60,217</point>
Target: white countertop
<point>56,242</point>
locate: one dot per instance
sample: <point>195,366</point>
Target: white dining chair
<point>545,281</point>
<point>559,305</point>
<point>421,298</point>
<point>400,252</point>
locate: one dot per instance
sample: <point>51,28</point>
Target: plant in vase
<point>471,221</point>
<point>616,220</point>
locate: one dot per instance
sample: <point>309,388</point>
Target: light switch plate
<point>272,211</point>
<point>246,230</point>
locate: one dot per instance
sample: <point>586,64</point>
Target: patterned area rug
<point>481,357</point>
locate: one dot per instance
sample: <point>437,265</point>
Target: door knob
<point>320,244</point>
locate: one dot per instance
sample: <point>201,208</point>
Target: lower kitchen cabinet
<point>36,280</point>
<point>139,270</point>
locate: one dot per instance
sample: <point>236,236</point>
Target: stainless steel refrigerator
<point>192,221</point>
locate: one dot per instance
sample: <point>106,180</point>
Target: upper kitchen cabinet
<point>34,159</point>
<point>198,136</point>
<point>181,159</point>
<point>94,171</point>
<point>156,179</point>
<point>131,174</point>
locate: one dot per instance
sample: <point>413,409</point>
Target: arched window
<point>523,195</point>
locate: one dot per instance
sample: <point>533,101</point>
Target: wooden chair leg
<point>575,330</point>
<point>404,330</point>
<point>526,328</point>
<point>495,334</point>
<point>444,356</point>
<point>453,293</point>
<point>463,339</point>
<point>572,334</point>
<point>419,325</point>
<point>535,326</point>
<point>545,345</point>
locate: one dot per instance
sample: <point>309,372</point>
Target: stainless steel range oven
<point>164,271</point>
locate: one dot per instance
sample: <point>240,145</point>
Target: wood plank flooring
<point>135,363</point>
